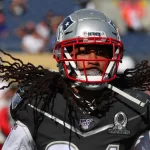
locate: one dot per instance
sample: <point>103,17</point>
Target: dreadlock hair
<point>139,77</point>
<point>43,85</point>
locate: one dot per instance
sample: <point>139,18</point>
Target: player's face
<point>96,56</point>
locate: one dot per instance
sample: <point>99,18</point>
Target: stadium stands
<point>37,9</point>
<point>137,44</point>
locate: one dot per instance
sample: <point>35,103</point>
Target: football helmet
<point>86,28</point>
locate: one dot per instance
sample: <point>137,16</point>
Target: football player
<point>86,105</point>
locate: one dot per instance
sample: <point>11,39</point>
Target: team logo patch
<point>120,123</point>
<point>16,100</point>
<point>63,27</point>
<point>67,23</point>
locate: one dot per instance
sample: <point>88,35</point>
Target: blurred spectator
<point>82,3</point>
<point>49,15</point>
<point>55,21</point>
<point>18,7</point>
<point>32,42</point>
<point>90,5</point>
<point>5,119</point>
<point>43,30</point>
<point>86,4</point>
<point>3,26</point>
<point>21,31</point>
<point>132,12</point>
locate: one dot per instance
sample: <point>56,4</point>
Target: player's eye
<point>102,53</point>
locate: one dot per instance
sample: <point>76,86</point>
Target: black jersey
<point>116,130</point>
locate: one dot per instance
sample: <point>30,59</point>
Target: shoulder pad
<point>141,95</point>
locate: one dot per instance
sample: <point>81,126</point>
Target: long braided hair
<point>45,84</point>
<point>139,77</point>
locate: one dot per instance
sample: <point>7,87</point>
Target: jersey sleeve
<point>19,138</point>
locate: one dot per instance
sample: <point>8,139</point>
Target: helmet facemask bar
<point>70,61</point>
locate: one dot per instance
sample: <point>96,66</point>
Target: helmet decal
<point>67,23</point>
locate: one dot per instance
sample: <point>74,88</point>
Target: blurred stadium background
<point>18,19</point>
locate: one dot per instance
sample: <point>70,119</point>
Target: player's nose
<point>93,58</point>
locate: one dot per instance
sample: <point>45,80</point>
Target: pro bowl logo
<point>120,123</point>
